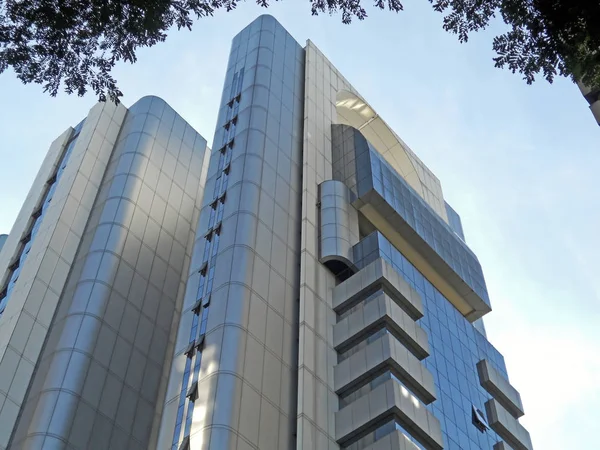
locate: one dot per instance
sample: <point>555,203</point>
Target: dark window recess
<point>185,444</point>
<point>52,180</point>
<point>208,235</point>
<point>213,204</point>
<point>223,149</point>
<point>204,267</point>
<point>37,213</point>
<point>226,168</point>
<point>222,197</point>
<point>196,307</point>
<point>479,420</point>
<point>237,98</point>
<point>231,122</point>
<point>206,301</point>
<point>339,269</point>
<point>217,228</point>
<point>200,344</point>
<point>230,144</point>
<point>192,392</point>
<point>189,351</point>
<point>15,265</point>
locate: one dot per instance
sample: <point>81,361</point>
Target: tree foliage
<point>75,44</point>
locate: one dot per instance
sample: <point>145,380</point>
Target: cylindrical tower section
<point>339,228</point>
<point>234,373</point>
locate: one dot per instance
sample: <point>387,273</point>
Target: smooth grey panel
<point>338,227</point>
<point>499,387</point>
<point>394,441</point>
<point>383,354</point>
<point>376,275</point>
<point>507,427</point>
<point>380,311</point>
<point>387,400</point>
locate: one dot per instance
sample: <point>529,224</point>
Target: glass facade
<point>455,347</point>
<point>422,219</point>
<point>372,384</point>
<point>36,220</point>
<point>275,348</point>
<point>455,222</point>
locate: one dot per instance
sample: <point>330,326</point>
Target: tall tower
<point>234,377</point>
<point>303,285</point>
<point>93,272</point>
<point>332,300</point>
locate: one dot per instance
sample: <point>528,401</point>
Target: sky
<point>517,162</point>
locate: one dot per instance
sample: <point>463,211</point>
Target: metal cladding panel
<point>338,226</point>
<point>98,378</point>
<point>507,427</point>
<point>43,245</point>
<point>499,387</point>
<point>244,272</point>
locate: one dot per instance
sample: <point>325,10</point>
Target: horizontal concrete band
<point>393,441</point>
<point>385,402</point>
<point>507,427</point>
<point>381,312</point>
<point>499,387</point>
<point>375,275</point>
<point>386,353</point>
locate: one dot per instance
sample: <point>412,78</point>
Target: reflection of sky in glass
<point>428,225</point>
<point>455,348</point>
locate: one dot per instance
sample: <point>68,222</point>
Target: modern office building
<point>302,285</point>
<point>2,240</point>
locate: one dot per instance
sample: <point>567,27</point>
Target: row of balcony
<point>380,379</point>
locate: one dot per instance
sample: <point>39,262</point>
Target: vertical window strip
<point>234,85</point>
<point>179,418</point>
<point>240,81</point>
<point>37,217</point>
<point>206,280</point>
<point>229,115</point>
<point>220,210</point>
<point>196,373</point>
